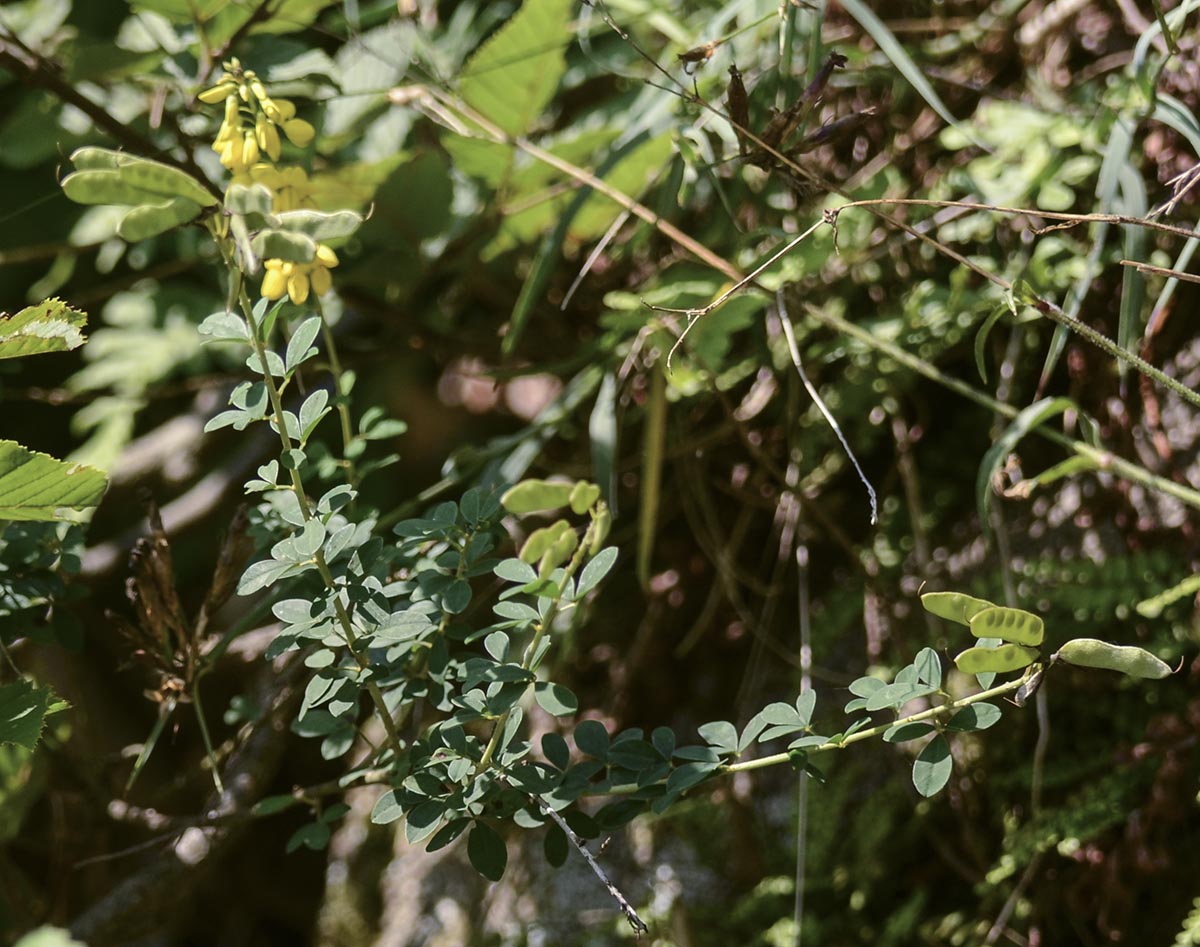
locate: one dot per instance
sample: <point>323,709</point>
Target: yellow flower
<point>298,131</point>
<point>296,279</point>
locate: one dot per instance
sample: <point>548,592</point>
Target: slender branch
<point>930,714</point>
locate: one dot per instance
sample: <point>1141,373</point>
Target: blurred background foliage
<point>457,310</point>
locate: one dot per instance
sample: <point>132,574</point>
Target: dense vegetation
<point>521,430</point>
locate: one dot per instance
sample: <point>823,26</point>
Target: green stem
<point>930,714</point>
<point>335,368</point>
<point>297,485</point>
<point>204,734</point>
<point>539,633</point>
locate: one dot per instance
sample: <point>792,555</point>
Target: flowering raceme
<point>249,144</point>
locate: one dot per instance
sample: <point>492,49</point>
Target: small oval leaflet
<point>1009,624</point>
<point>1007,657</point>
<point>1093,653</point>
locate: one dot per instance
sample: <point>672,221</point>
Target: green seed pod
<point>603,524</point>
<point>1007,657</point>
<point>103,187</point>
<point>534,496</point>
<point>1009,624</point>
<point>558,553</point>
<point>283,245</point>
<point>583,495</point>
<point>954,606</point>
<point>1092,653</point>
<point>150,220</point>
<point>91,158</point>
<point>164,180</point>
<point>540,540</point>
<point>320,225</point>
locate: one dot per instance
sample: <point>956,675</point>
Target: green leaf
<point>300,347</point>
<point>315,835</point>
<point>555,699</point>
<point>34,486</point>
<point>23,709</point>
<point>903,732</point>
<point>555,846</point>
<point>592,738</point>
<point>512,77</point>
<point>596,569</point>
<point>721,735</point>
<point>1008,624</point>
<point>487,852</point>
<point>50,326</point>
<point>929,667</point>
<point>932,768</point>
<point>387,809</point>
<point>974,717</point>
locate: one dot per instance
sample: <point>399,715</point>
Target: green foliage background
<point>450,312</point>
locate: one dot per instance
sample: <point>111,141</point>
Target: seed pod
<point>1093,653</point>
<point>103,187</point>
<point>1007,657</point>
<point>558,553</point>
<point>91,158</point>
<point>284,245</point>
<point>163,179</point>
<point>739,108</point>
<point>534,496</point>
<point>1008,624</point>
<point>583,495</point>
<point>954,606</point>
<point>150,220</point>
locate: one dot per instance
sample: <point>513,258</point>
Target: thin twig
<point>794,351</point>
<point>631,915</point>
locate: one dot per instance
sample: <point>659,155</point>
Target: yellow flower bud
<point>274,283</point>
<point>257,88</point>
<point>298,131</point>
<point>249,149</point>
<point>325,256</point>
<point>285,108</point>
<point>218,93</point>
<point>297,286</point>
<point>322,282</point>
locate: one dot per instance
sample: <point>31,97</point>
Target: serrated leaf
<point>50,326</point>
<point>23,708</point>
<point>35,486</point>
<point>512,77</point>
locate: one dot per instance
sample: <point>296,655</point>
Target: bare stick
<point>600,247</point>
<point>794,351</point>
<point>631,915</point>
<point>694,314</point>
<point>1162,271</point>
